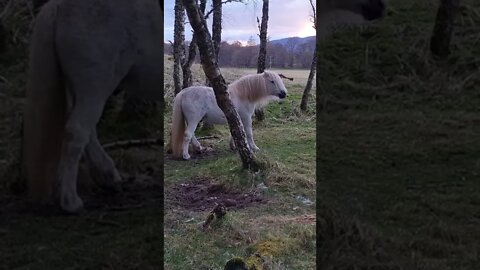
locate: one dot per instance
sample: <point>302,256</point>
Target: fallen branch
<point>285,77</point>
<point>101,221</point>
<point>208,137</point>
<point>132,143</point>
<point>125,207</point>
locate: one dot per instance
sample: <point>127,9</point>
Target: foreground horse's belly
<point>215,116</point>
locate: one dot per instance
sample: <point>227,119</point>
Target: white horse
<point>197,103</point>
<point>81,51</point>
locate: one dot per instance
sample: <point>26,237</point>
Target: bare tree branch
<point>223,2</point>
<point>314,16</point>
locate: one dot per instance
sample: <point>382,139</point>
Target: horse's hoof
<point>186,157</point>
<point>73,205</point>
<point>109,181</point>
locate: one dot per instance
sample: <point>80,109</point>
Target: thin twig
<point>208,137</point>
<point>100,220</point>
<point>285,77</point>
<point>132,143</point>
<point>126,207</point>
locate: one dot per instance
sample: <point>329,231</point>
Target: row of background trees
<point>293,53</point>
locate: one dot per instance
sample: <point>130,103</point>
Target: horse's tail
<point>178,127</point>
<point>45,109</point>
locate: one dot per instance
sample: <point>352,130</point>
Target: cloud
<point>287,18</point>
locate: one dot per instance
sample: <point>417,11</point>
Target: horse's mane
<point>250,87</point>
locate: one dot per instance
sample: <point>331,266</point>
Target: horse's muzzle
<point>375,9</point>
<point>282,95</point>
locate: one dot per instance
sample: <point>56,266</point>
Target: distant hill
<point>297,40</point>
<point>283,41</point>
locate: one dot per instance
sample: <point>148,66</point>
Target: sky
<point>287,18</point>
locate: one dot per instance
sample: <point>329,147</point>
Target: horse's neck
<point>240,102</point>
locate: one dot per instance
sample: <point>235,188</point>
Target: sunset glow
<point>239,22</point>
<point>307,30</point>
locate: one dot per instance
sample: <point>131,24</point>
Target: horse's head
<point>368,9</point>
<point>274,85</point>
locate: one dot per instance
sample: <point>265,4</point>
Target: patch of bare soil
<point>203,194</point>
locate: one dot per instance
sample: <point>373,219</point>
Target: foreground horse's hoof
<point>72,205</point>
<point>186,157</point>
<point>109,181</point>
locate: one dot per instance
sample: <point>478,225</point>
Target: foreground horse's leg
<point>196,144</point>
<point>85,113</point>
<point>189,133</point>
<point>247,125</point>
<point>102,167</point>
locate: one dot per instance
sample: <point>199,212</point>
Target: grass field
<point>398,140</point>
<point>281,227</point>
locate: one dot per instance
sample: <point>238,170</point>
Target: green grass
<point>398,157</point>
<point>70,242</point>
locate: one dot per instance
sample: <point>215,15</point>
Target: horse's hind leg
<point>189,133</point>
<point>85,113</point>
<point>102,167</point>
<point>196,144</point>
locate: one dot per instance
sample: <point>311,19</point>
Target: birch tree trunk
<point>178,45</point>
<point>442,32</point>
<point>262,54</point>
<point>313,67</point>
<point>192,54</point>
<point>308,86</point>
<point>217,27</point>
<point>216,39</point>
<point>210,67</point>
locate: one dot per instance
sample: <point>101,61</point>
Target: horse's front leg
<point>247,125</point>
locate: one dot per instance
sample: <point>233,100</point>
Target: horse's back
<point>110,39</point>
<point>199,102</point>
<point>83,43</point>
